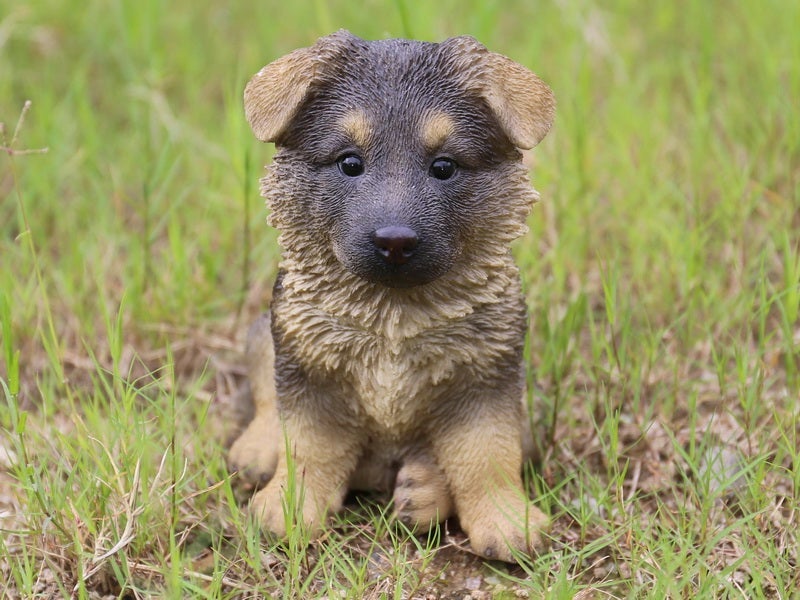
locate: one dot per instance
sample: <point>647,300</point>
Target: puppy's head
<point>398,158</point>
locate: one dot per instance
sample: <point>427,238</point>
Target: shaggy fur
<point>383,370</point>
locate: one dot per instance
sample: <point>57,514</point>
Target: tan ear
<point>523,103</point>
<point>274,94</point>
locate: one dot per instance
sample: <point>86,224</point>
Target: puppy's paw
<point>421,495</point>
<point>504,524</point>
<point>274,511</point>
<point>267,506</point>
<point>255,453</point>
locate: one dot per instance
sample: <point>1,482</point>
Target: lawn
<point>662,273</point>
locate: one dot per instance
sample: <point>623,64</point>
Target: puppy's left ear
<point>523,103</point>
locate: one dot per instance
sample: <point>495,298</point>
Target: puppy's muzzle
<point>395,244</point>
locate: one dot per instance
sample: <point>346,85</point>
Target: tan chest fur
<point>393,368</point>
<point>392,380</point>
<point>389,382</point>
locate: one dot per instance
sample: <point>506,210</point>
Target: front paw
<point>255,453</point>
<point>279,509</point>
<point>504,525</point>
<point>267,506</point>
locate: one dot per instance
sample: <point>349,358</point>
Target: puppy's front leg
<point>323,456</point>
<point>480,452</point>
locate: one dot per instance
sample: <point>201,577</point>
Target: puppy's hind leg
<point>255,453</point>
<point>530,451</point>
<point>421,495</point>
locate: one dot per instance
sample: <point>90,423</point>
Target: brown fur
<point>436,129</point>
<point>356,126</point>
<point>411,377</point>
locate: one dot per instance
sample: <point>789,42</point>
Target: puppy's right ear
<point>274,94</point>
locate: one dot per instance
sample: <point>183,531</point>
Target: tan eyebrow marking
<point>436,129</point>
<point>357,127</point>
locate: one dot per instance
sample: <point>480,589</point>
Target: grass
<point>662,273</point>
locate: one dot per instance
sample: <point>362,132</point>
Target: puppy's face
<point>394,161</point>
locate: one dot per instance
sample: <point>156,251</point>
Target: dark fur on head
<point>394,88</point>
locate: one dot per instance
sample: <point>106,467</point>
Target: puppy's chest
<point>397,381</point>
<point>392,381</point>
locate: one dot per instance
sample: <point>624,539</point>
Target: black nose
<point>395,243</point>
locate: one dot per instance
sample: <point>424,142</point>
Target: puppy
<point>392,354</point>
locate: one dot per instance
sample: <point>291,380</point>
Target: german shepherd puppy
<point>392,354</point>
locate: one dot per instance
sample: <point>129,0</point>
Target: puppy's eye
<point>351,165</point>
<point>443,168</point>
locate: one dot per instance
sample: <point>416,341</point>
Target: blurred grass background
<point>662,266</point>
